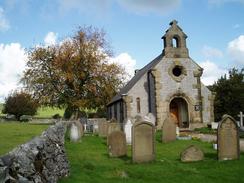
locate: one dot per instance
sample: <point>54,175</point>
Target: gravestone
<point>137,118</point>
<point>169,130</point>
<point>143,149</point>
<point>228,139</point>
<point>75,133</point>
<point>114,126</point>
<point>192,153</point>
<point>103,129</point>
<point>117,144</point>
<point>241,116</point>
<point>151,118</point>
<point>127,130</point>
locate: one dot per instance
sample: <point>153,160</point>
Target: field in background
<point>42,112</point>
<point>48,112</point>
<point>15,133</point>
<point>90,163</point>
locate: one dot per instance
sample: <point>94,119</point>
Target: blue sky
<point>215,30</point>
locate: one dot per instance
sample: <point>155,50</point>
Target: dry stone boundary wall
<point>43,159</point>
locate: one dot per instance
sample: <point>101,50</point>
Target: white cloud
<point>211,72</point>
<point>125,61</point>
<point>12,64</point>
<point>210,52</point>
<point>236,50</point>
<point>4,24</point>
<point>50,39</point>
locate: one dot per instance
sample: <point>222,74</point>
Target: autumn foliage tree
<point>75,73</point>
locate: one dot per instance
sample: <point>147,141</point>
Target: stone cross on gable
<point>241,118</point>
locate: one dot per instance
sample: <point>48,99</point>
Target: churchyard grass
<point>15,133</point>
<point>90,162</point>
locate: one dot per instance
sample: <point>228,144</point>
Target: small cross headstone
<point>169,130</point>
<point>117,144</point>
<point>228,139</point>
<point>143,142</point>
<point>241,116</point>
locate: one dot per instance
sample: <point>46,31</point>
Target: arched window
<point>138,105</point>
<point>175,42</point>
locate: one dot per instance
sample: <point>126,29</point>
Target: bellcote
<point>175,42</point>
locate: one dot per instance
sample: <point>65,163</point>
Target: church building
<point>171,83</point>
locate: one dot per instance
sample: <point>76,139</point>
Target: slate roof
<point>136,78</point>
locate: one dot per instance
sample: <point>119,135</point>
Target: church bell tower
<point>175,42</point>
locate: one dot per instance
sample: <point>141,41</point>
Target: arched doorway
<point>179,109</point>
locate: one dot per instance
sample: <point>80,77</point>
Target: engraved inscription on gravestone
<point>143,142</point>
<point>228,139</point>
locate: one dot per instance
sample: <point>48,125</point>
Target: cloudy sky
<point>215,30</point>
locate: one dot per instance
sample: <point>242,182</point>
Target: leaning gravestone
<point>143,142</point>
<point>127,130</point>
<point>113,126</point>
<point>117,144</point>
<point>103,129</point>
<point>169,130</point>
<point>228,139</point>
<point>192,153</point>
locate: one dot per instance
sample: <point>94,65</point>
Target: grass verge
<point>90,163</point>
<point>15,133</point>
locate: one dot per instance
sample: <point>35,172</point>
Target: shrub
<point>56,116</point>
<point>20,103</point>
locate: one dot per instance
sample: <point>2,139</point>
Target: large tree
<point>75,73</point>
<point>229,94</point>
<point>20,103</point>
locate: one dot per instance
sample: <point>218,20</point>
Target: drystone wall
<point>43,159</point>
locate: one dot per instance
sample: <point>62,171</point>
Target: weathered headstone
<point>127,130</point>
<point>114,126</point>
<point>143,149</point>
<point>103,129</point>
<point>75,133</point>
<point>192,153</point>
<point>117,144</point>
<point>80,127</point>
<point>151,118</point>
<point>228,139</point>
<point>138,118</point>
<point>169,130</point>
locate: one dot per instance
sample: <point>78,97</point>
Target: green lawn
<point>90,163</point>
<point>48,112</point>
<point>42,112</point>
<point>14,133</point>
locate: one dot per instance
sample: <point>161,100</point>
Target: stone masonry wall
<point>41,160</point>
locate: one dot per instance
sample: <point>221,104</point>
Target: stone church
<point>171,83</point>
